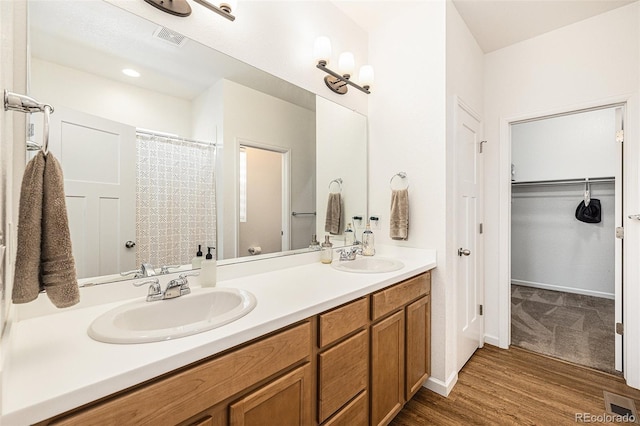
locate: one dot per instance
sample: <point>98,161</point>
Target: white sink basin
<point>143,322</point>
<point>368,265</point>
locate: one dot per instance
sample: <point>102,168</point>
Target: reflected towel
<point>399,217</point>
<point>334,211</point>
<point>43,218</point>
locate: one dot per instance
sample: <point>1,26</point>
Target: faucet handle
<point>189,274</point>
<point>137,272</point>
<point>165,268</point>
<point>154,288</point>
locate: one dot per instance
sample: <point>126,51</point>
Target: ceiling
<point>494,23</point>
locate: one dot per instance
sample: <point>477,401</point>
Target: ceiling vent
<point>170,36</point>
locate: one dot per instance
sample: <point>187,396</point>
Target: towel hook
<point>339,182</point>
<point>401,175</point>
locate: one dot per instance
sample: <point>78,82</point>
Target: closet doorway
<point>566,257</point>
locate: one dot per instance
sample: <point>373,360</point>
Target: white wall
<point>566,147</point>
<point>407,133</point>
<point>553,250</point>
<point>341,151</point>
<point>464,82</point>
<point>13,66</point>
<point>110,99</point>
<point>562,70</point>
<point>252,117</point>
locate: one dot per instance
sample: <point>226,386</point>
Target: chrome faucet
<point>146,270</point>
<point>176,288</point>
<point>350,253</point>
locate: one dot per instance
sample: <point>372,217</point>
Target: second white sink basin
<point>143,322</point>
<point>368,265</point>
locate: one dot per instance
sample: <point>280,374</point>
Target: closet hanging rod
<point>564,181</point>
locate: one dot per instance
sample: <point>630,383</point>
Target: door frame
<point>286,189</point>
<point>630,273</point>
<point>459,103</point>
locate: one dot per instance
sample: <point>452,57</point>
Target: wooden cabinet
<point>387,368</point>
<point>400,345</point>
<point>354,365</point>
<point>418,345</point>
<point>285,401</point>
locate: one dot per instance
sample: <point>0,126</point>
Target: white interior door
<point>618,242</point>
<point>98,161</point>
<point>468,217</point>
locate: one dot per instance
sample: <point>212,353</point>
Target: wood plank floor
<point>515,387</point>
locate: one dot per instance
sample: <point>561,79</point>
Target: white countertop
<point>53,366</point>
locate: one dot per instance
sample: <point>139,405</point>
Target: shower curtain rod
<point>173,136</point>
<point>564,181</point>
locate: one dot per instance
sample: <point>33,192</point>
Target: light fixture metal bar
<point>341,78</point>
<point>216,9</point>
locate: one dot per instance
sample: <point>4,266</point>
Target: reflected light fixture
<point>224,9</point>
<point>338,81</point>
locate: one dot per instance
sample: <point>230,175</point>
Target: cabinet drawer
<point>392,298</point>
<point>342,373</point>
<point>341,321</point>
<point>178,397</point>
<point>356,413</point>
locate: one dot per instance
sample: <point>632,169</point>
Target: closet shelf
<point>564,181</point>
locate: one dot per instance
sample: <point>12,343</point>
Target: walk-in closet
<point>565,257</point>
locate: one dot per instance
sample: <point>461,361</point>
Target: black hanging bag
<point>590,213</point>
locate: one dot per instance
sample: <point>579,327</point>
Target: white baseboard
<point>493,340</point>
<point>440,387</point>
<point>565,289</point>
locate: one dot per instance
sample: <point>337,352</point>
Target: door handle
<point>130,244</point>
<point>634,216</point>
<point>463,252</point>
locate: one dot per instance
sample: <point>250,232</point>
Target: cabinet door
<point>387,368</point>
<point>284,401</point>
<point>418,350</point>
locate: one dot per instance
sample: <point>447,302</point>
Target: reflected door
<point>98,161</point>
<point>261,201</point>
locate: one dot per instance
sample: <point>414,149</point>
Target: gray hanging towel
<point>591,213</point>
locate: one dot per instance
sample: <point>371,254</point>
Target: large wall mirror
<point>200,149</point>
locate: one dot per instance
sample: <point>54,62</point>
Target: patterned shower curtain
<point>175,199</point>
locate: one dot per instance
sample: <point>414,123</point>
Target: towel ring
<point>401,175</point>
<point>339,182</point>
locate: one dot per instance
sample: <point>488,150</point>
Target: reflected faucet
<point>146,270</point>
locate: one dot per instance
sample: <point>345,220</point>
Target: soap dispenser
<point>368,242</point>
<point>196,262</point>
<point>314,245</point>
<point>208,271</point>
<point>326,256</point>
<point>349,235</point>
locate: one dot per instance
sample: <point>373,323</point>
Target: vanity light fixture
<point>338,81</point>
<point>225,8</point>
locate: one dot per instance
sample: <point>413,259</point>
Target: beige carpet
<point>568,326</point>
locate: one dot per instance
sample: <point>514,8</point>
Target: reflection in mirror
<point>153,164</point>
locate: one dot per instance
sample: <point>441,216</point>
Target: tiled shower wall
<point>175,199</point>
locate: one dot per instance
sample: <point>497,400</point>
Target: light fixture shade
<point>130,72</point>
<point>346,63</point>
<point>366,75</point>
<point>231,5</point>
<point>322,49</point>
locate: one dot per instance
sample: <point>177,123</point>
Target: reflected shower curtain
<point>175,199</point>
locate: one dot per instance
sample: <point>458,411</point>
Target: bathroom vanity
<point>322,346</point>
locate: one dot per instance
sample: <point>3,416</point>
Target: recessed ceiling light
<point>130,72</point>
